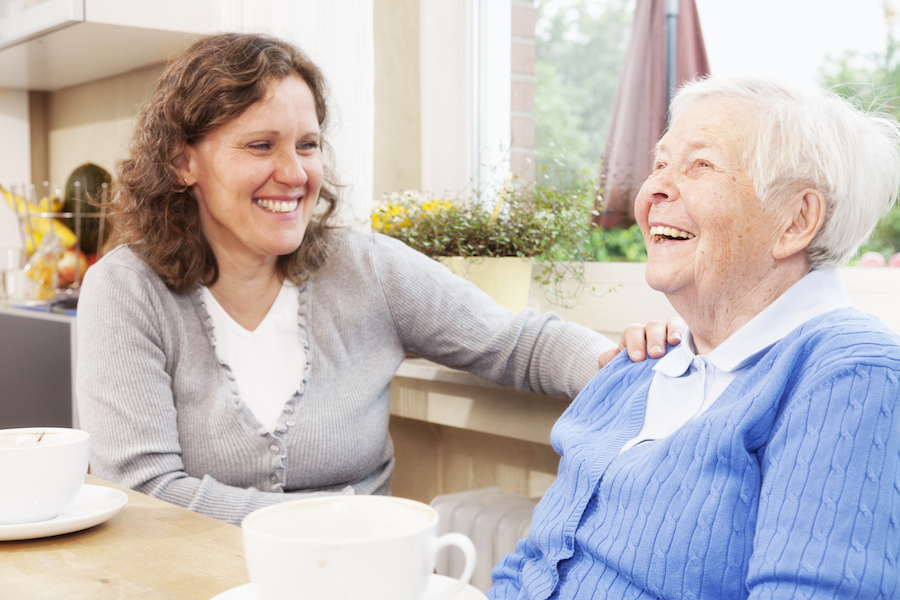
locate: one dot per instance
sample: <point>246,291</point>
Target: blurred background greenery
<point>580,45</point>
<point>874,81</point>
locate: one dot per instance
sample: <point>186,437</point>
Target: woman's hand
<point>641,340</point>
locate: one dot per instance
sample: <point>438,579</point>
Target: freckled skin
<point>727,273</point>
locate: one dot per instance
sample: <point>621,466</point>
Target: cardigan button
<point>273,448</point>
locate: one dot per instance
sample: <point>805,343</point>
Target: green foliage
<point>545,221</point>
<point>580,45</point>
<point>617,245</point>
<point>548,221</point>
<point>886,238</point>
<point>873,81</point>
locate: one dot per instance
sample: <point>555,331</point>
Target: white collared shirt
<point>685,384</point>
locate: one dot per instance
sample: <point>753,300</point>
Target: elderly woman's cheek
<point>642,212</point>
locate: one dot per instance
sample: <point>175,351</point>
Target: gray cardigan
<point>167,418</point>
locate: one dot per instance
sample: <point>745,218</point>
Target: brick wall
<point>522,135</point>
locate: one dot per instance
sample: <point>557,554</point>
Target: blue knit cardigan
<point>788,486</point>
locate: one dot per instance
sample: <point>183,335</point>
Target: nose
<point>660,186</point>
<point>290,170</point>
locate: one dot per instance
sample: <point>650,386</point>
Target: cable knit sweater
<point>167,418</point>
<point>788,486</point>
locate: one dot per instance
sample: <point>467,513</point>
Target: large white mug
<point>42,469</point>
<point>348,548</point>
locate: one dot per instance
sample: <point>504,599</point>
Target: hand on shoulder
<point>643,340</point>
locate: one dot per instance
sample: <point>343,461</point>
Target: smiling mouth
<point>659,234</point>
<point>277,206</point>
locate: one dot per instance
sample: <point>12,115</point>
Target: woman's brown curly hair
<point>213,82</point>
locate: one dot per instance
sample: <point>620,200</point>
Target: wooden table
<point>149,549</point>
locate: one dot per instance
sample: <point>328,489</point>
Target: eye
<point>704,163</point>
<point>659,166</point>
<point>308,146</point>
<point>261,145</point>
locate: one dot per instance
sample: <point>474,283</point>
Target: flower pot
<point>506,279</point>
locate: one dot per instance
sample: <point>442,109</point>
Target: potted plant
<point>548,222</point>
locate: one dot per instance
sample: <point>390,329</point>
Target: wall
<point>424,84</point>
<point>94,122</point>
<point>618,295</point>
<point>15,149</point>
<point>15,164</point>
<point>398,128</point>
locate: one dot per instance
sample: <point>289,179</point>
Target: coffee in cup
<point>348,548</point>
<point>42,469</point>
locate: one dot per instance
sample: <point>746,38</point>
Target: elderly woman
<point>236,350</point>
<point>762,457</point>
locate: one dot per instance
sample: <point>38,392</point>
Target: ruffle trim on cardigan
<point>286,420</point>
<point>206,318</point>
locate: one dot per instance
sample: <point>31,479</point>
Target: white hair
<point>810,137</point>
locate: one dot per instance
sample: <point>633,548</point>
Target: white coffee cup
<point>42,469</point>
<point>348,548</point>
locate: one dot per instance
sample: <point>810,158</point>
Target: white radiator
<point>492,518</point>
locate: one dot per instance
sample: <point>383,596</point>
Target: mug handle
<point>468,548</point>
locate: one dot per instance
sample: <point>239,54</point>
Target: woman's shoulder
<point>366,248</point>
<point>121,267</point>
<point>121,257</point>
<point>843,335</point>
<point>860,326</point>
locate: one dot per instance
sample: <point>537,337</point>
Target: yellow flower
<point>388,217</point>
<point>436,205</point>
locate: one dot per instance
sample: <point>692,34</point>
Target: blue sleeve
<point>828,524</point>
<point>507,574</point>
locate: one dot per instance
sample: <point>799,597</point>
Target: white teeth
<point>670,232</point>
<point>277,206</point>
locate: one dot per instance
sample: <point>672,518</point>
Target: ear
<point>184,166</point>
<point>806,215</point>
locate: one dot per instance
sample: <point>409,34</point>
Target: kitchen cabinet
<point>37,369</point>
<point>53,44</point>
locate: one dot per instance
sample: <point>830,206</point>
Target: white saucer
<point>93,505</point>
<point>436,583</point>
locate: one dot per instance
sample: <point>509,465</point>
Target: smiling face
<point>709,242</point>
<point>257,178</point>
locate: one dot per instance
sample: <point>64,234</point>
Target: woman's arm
<point>448,320</point>
<point>828,524</point>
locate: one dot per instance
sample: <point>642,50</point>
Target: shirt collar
<point>815,294</point>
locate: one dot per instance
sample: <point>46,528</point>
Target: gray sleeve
<point>447,320</point>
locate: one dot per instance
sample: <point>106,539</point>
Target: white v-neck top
<point>266,361</point>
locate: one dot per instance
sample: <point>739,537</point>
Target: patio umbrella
<point>638,117</point>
